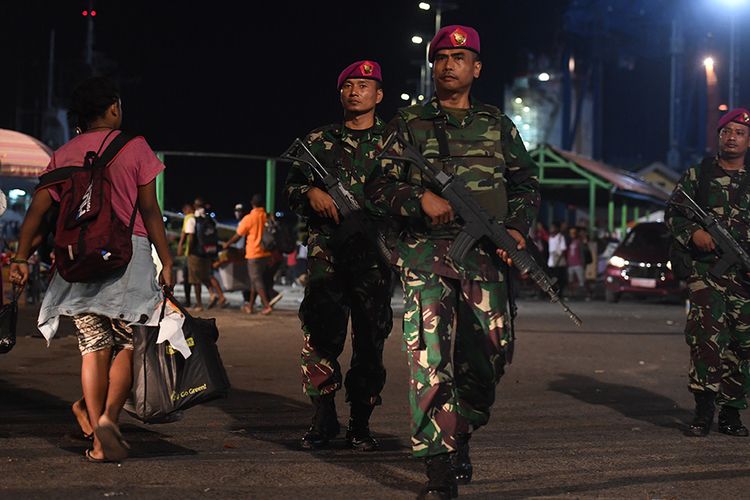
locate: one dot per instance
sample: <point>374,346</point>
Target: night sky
<point>248,77</point>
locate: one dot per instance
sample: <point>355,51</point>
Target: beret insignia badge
<point>366,69</point>
<point>458,38</point>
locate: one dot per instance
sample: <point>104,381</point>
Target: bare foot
<point>267,311</point>
<point>113,445</point>
<point>82,417</point>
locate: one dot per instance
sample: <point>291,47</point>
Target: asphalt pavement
<point>590,412</point>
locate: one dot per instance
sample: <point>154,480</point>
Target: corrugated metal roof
<point>621,179</point>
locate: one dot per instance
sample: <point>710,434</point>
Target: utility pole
<point>676,48</point>
<point>90,14</point>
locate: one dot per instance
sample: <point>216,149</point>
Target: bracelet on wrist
<point>16,260</point>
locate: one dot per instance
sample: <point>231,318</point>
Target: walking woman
<point>103,311</point>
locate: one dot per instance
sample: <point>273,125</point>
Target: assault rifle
<point>347,204</point>
<point>477,223</point>
<point>730,252</point>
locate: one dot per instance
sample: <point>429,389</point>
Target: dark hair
<point>257,200</point>
<point>91,98</point>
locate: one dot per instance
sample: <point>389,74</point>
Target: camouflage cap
<point>361,69</point>
<point>737,115</point>
<point>454,37</point>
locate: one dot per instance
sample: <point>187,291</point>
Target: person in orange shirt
<point>258,258</point>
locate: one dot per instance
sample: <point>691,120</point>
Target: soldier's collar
<point>375,131</point>
<point>431,109</point>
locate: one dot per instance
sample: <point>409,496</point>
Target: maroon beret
<point>737,115</point>
<point>361,69</point>
<point>454,37</point>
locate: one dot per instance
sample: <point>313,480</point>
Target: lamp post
<point>439,6</point>
<point>712,104</point>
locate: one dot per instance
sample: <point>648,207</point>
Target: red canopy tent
<point>21,155</point>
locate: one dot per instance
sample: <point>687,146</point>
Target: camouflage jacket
<point>347,154</point>
<point>487,153</point>
<point>722,200</point>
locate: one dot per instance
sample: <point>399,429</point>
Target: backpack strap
<point>113,149</point>
<point>61,174</point>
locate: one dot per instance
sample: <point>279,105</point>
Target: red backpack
<point>91,242</point>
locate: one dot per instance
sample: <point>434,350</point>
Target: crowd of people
<point>571,255</point>
<point>256,248</point>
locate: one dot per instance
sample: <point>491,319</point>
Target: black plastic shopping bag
<point>154,377</point>
<point>8,320</point>
<point>164,382</point>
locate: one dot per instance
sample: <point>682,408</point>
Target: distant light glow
<point>709,63</point>
<point>420,97</point>
<point>518,100</point>
<point>518,118</point>
<point>416,39</point>
<point>723,107</point>
<point>93,13</point>
<point>526,126</point>
<point>733,3</point>
<point>85,13</point>
<point>572,64</point>
<point>424,6</point>
<point>543,77</point>
<point>16,193</point>
<point>526,109</point>
<point>405,97</point>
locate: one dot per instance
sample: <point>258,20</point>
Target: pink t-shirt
<point>575,257</point>
<point>135,165</point>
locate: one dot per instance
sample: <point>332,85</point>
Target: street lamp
<point>416,39</point>
<point>543,77</point>
<point>405,96</point>
<point>709,63</point>
<point>424,6</point>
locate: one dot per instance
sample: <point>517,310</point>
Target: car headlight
<point>617,261</point>
<point>669,265</point>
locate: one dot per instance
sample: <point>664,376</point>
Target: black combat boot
<point>441,483</point>
<point>325,424</point>
<point>460,460</point>
<point>704,414</point>
<point>730,423</point>
<point>358,433</point>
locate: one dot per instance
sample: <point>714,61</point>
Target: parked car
<point>640,265</point>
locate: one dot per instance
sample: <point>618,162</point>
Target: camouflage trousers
<point>452,387</point>
<point>718,333</point>
<point>332,296</point>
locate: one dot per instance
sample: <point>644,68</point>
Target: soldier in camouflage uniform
<point>452,388</point>
<point>345,275</point>
<point>718,322</point>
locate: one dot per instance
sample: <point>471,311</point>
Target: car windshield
<point>647,238</point>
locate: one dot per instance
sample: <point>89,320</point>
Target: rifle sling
<point>442,137</point>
